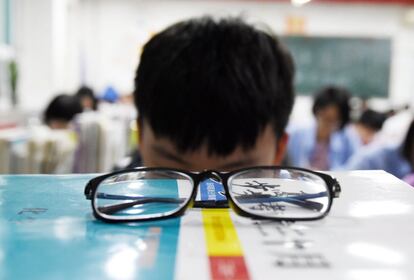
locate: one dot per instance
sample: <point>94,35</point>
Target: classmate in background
<point>368,125</point>
<point>61,111</point>
<point>408,153</point>
<point>213,94</point>
<point>324,145</point>
<point>87,98</point>
<point>396,159</point>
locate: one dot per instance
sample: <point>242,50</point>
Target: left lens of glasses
<point>141,195</point>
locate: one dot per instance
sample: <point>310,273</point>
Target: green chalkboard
<point>360,64</point>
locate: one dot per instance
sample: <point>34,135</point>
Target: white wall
<point>100,40</point>
<point>2,67</point>
<point>2,13</point>
<point>6,54</point>
<point>33,46</point>
<point>45,51</point>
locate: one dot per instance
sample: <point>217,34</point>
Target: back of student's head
<point>214,82</point>
<point>333,96</point>
<point>408,145</point>
<point>62,109</point>
<point>372,119</point>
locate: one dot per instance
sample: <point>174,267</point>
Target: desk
<point>47,231</point>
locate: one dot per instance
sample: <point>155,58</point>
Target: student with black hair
<point>213,94</point>
<point>61,110</point>
<point>397,159</point>
<point>408,153</point>
<point>324,145</point>
<point>87,98</point>
<point>368,125</point>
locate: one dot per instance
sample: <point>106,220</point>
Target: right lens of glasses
<point>280,193</point>
<point>141,195</point>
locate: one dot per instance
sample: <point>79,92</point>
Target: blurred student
<point>368,125</point>
<point>397,159</point>
<point>87,98</point>
<point>323,144</point>
<point>213,94</point>
<point>61,110</point>
<point>408,153</point>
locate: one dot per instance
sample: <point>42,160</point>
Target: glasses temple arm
<point>112,209</point>
<point>299,200</point>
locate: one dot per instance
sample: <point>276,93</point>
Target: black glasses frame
<point>333,187</point>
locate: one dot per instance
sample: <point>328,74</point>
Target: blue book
<point>47,231</point>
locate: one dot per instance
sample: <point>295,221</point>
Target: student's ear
<point>281,148</point>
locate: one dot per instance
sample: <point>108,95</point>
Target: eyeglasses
<point>267,192</point>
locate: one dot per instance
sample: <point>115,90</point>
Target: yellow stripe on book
<point>221,235</point>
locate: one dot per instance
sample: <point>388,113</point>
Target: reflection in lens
<point>142,195</point>
<point>280,193</point>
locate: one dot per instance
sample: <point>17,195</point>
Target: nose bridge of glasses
<point>209,190</point>
<point>210,174</point>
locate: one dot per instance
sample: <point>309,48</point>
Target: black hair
<point>85,91</point>
<point>372,119</point>
<point>336,96</point>
<point>214,82</point>
<point>408,145</point>
<point>63,107</point>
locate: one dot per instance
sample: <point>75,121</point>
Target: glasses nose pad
<point>211,194</point>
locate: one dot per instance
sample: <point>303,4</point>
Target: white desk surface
<point>47,231</point>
